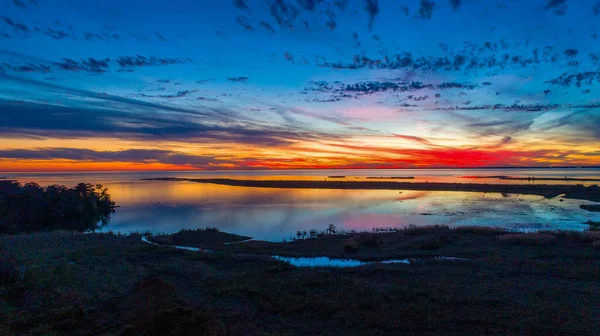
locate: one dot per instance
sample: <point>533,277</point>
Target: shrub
<point>531,239</point>
<point>596,244</point>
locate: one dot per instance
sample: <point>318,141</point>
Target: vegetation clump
<point>591,207</point>
<point>201,238</point>
<point>30,207</point>
<point>594,225</point>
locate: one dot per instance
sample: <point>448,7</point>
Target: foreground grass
<point>101,284</point>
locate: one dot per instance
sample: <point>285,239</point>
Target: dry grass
<point>531,239</point>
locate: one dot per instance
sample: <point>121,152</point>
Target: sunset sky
<point>277,84</point>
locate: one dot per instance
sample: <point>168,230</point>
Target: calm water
<point>276,214</point>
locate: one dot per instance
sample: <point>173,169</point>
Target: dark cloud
<point>284,13</point>
<point>267,26</point>
<point>56,34</point>
<point>356,40</point>
<point>18,27</point>
<point>131,155</point>
<point>137,61</point>
<point>584,122</point>
<point>345,91</point>
<point>89,36</point>
<point>372,8</point>
<point>30,67</point>
<point>341,4</point>
<point>208,99</point>
<point>405,10</point>
<point>289,57</point>
<point>20,4</point>
<point>161,37</point>
<point>413,138</point>
<point>577,79</point>
<point>426,9</point>
<point>43,121</point>
<point>241,5</point>
<point>331,22</point>
<point>501,127</point>
<point>518,107</point>
<point>472,57</point>
<point>309,5</point>
<point>89,65</point>
<point>107,99</point>
<point>570,53</point>
<point>179,94</point>
<point>455,4</point>
<point>559,6</point>
<point>243,21</point>
<point>238,79</point>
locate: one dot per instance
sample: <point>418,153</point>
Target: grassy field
<point>103,284</point>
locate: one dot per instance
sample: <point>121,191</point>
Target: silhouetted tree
<point>30,207</point>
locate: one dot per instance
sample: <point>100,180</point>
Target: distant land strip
<point>533,178</point>
<point>591,193</point>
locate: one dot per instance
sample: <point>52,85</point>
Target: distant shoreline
<point>591,193</point>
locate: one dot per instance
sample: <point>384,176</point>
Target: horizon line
<point>303,169</point>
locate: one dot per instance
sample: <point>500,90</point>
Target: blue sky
<point>298,83</point>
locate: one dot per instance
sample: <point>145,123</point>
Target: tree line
<point>30,207</point>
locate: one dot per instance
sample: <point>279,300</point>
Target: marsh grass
<point>103,284</point>
<point>479,230</point>
<point>531,239</point>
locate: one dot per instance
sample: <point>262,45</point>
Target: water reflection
<point>321,262</point>
<point>274,214</point>
<point>335,262</point>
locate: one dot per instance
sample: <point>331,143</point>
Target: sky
<point>290,84</point>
